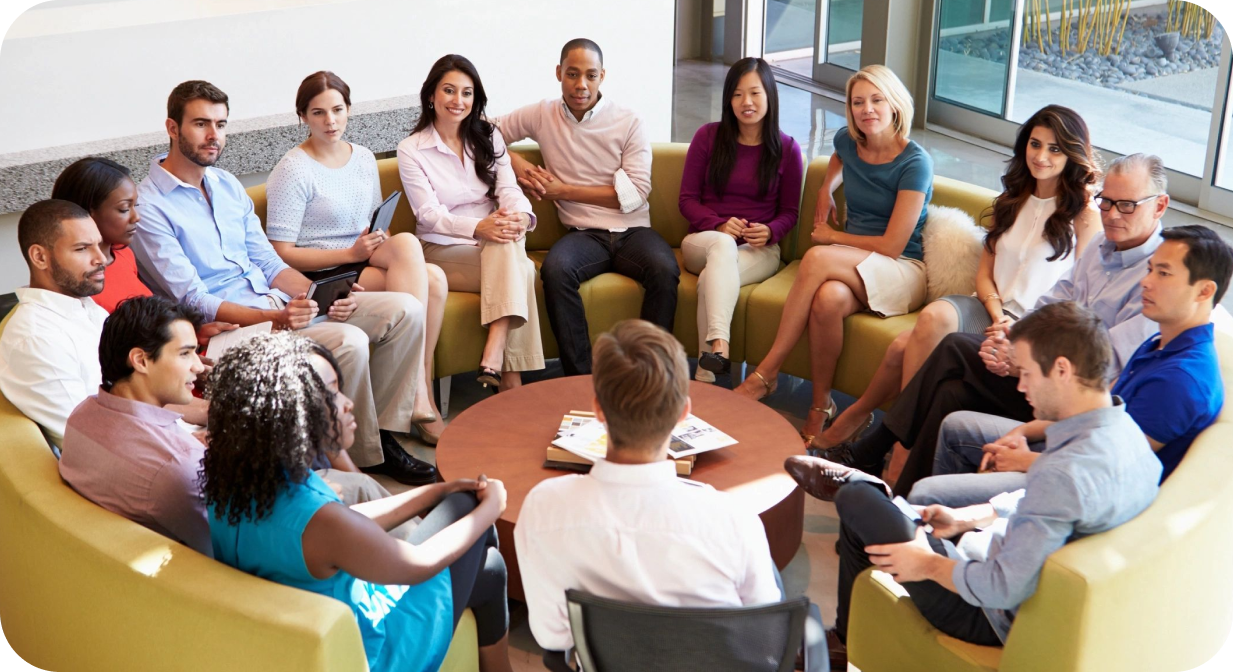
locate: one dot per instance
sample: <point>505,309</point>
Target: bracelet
<point>990,295</point>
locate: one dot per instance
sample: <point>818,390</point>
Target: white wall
<point>81,70</point>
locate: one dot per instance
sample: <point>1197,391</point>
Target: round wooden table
<point>506,436</point>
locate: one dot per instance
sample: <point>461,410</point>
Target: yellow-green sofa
<point>84,589</point>
<point>1153,594</point>
<point>611,297</point>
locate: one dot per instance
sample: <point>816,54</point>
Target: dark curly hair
<point>270,416</point>
<point>1082,171</point>
<point>139,322</point>
<point>476,130</point>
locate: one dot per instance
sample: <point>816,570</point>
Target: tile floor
<point>812,120</point>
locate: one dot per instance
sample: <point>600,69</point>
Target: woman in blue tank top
<point>275,406</point>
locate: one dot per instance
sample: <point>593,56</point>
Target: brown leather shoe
<point>816,476</point>
<point>838,651</point>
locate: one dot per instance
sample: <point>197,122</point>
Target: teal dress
<point>870,190</point>
<point>404,628</point>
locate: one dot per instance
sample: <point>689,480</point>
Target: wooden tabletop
<point>506,436</point>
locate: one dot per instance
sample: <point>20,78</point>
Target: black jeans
<point>953,378</point>
<point>866,517</point>
<point>639,253</point>
<point>477,579</point>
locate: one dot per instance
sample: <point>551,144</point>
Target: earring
<point>430,104</point>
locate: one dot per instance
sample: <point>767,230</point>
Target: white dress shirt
<point>49,357</point>
<point>637,533</point>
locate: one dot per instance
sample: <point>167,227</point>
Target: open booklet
<point>229,339</point>
<point>586,437</point>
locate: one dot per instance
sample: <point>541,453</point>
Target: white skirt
<point>894,286</point>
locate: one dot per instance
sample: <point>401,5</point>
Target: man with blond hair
<point>631,530</point>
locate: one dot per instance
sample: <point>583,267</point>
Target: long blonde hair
<point>884,79</point>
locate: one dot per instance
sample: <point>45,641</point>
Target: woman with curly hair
<point>472,217</point>
<point>1042,221</point>
<point>276,407</point>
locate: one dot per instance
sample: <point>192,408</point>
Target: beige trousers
<point>723,268</point>
<point>504,278</point>
<point>382,385</point>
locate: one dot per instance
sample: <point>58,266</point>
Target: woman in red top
<point>106,190</point>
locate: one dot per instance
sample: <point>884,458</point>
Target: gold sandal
<point>770,385</point>
<point>831,411</point>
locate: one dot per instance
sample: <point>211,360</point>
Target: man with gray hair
<point>970,372</point>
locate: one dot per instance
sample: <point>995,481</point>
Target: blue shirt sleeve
<point>165,266</point>
<point>260,252</point>
<point>1164,403</point>
<point>844,144</point>
<point>1042,523</point>
<point>917,173</point>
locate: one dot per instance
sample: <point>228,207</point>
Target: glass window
<point>789,34</point>
<point>1143,79</point>
<point>973,51</point>
<point>843,33</point>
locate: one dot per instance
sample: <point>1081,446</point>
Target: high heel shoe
<point>488,378</point>
<point>770,385</point>
<point>426,436</point>
<point>831,411</point>
<point>818,450</point>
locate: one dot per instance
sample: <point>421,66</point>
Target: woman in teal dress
<point>275,407</point>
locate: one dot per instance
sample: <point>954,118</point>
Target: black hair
<point>723,153</point>
<point>476,131</point>
<point>40,223</point>
<point>89,181</point>
<point>1207,256</point>
<point>271,415</point>
<point>582,43</point>
<point>140,322</point>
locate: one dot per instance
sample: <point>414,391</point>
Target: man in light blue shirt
<point>200,242</point>
<point>1097,471</point>
<point>969,372</point>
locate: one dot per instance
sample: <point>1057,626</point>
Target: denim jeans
<point>639,253</point>
<point>955,482</point>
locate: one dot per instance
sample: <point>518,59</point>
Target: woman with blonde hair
<point>875,263</point>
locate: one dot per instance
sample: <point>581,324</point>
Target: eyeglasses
<point>1124,207</point>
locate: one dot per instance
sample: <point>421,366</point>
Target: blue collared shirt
<point>1097,471</point>
<point>1174,392</point>
<point>201,252</point>
<point>1106,281</point>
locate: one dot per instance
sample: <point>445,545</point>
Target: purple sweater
<point>778,209</point>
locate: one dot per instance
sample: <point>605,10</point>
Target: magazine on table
<point>585,436</point>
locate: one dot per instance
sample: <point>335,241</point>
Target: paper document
<point>229,339</point>
<point>587,437</point>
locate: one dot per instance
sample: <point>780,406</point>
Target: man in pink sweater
<point>597,168</point>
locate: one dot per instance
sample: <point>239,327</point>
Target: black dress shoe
<point>488,378</point>
<point>400,466</point>
<point>843,454</point>
<point>716,364</point>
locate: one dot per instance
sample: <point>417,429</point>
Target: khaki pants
<point>382,385</point>
<point>504,278</point>
<point>723,268</point>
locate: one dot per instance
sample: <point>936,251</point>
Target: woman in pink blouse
<point>472,216</point>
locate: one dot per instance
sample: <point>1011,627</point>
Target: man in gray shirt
<point>1097,471</point>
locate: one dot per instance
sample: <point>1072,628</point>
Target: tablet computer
<point>328,290</point>
<point>384,215</point>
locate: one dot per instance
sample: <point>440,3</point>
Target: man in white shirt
<point>597,169</point>
<point>631,530</point>
<point>49,348</point>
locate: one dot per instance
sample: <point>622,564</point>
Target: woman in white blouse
<point>321,197</point>
<point>472,216</point>
<point>1042,221</point>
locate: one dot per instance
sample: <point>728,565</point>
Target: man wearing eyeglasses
<point>965,373</point>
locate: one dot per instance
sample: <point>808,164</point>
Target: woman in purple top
<point>741,192</point>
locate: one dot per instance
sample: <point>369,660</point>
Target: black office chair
<point>7,302</point>
<point>614,636</point>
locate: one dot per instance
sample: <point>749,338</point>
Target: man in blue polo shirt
<point>1171,385</point>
